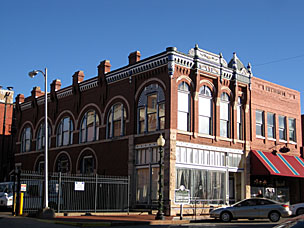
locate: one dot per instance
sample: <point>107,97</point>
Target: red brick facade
<point>186,151</point>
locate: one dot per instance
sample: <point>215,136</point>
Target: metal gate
<point>74,192</point>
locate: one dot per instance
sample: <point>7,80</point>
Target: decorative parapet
<point>26,105</point>
<point>137,68</point>
<point>88,85</point>
<point>64,93</point>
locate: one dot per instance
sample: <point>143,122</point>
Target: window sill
<point>260,137</point>
<point>205,136</point>
<point>271,139</point>
<point>225,139</point>
<point>240,141</point>
<point>184,132</point>
<point>292,142</point>
<point>282,141</point>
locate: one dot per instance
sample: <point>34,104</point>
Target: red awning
<point>265,163</point>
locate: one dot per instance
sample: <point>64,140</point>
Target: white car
<point>297,209</point>
<point>6,194</point>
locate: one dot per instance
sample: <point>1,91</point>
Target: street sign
<point>182,196</point>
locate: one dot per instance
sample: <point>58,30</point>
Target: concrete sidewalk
<point>120,219</point>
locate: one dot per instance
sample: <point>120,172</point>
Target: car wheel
<point>300,211</point>
<point>225,216</point>
<point>274,216</point>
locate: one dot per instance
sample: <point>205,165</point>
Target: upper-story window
<point>259,123</point>
<point>151,109</point>
<point>26,139</point>
<point>116,121</point>
<point>225,116</point>
<point>89,127</point>
<point>239,119</point>
<point>65,132</point>
<point>271,125</point>
<point>40,140</point>
<point>183,118</point>
<point>292,129</point>
<point>205,110</point>
<point>282,128</point>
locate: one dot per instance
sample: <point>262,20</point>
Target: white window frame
<point>225,120</point>
<point>260,124</point>
<point>183,90</point>
<point>239,119</point>
<point>271,133</point>
<point>205,96</point>
<point>292,129</point>
<point>282,128</point>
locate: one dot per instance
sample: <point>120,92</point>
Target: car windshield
<point>5,188</point>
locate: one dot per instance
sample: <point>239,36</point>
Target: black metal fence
<point>74,192</point>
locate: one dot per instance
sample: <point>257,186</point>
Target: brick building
<point>276,163</point>
<point>6,143</point>
<point>109,125</point>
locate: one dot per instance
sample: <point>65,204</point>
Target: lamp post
<point>33,74</point>
<point>160,214</point>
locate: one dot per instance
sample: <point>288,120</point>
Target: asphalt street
<point>9,221</point>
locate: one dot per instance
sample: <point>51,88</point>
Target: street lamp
<point>160,214</point>
<point>33,74</point>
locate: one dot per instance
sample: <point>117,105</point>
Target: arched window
<point>205,110</point>
<point>40,140</point>
<point>225,116</point>
<point>40,165</point>
<point>26,139</point>
<point>87,165</point>
<point>63,164</point>
<point>65,132</point>
<point>116,121</point>
<point>183,118</point>
<point>89,127</point>
<point>151,109</point>
<point>239,120</point>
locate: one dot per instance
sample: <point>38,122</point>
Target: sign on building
<point>79,186</point>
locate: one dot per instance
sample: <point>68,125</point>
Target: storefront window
<point>203,184</point>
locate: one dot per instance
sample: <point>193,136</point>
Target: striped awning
<point>266,163</point>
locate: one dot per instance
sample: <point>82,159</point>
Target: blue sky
<point>70,35</point>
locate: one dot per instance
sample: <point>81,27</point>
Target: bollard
<point>21,203</point>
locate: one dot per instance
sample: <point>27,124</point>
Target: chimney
<point>36,92</point>
<point>56,85</point>
<point>104,67</point>
<point>20,98</point>
<point>134,57</point>
<point>78,77</point>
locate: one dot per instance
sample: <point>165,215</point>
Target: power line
<point>279,60</point>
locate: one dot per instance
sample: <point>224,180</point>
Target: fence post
<point>59,192</point>
<point>96,187</point>
<point>128,197</point>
